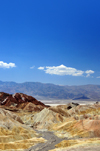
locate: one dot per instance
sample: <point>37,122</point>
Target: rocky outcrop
<point>10,115</point>
<point>79,124</point>
<point>61,110</point>
<point>14,134</point>
<point>71,105</point>
<point>82,128</point>
<point>32,107</point>
<point>21,101</point>
<point>45,118</point>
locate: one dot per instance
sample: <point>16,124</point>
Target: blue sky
<point>50,41</point>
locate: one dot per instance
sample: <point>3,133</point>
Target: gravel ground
<point>52,140</point>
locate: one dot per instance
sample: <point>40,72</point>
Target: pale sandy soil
<point>83,148</point>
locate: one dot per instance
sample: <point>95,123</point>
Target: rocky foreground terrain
<point>27,124</point>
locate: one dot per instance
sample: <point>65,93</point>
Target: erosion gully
<point>52,140</point>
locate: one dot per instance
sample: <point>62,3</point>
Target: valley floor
<point>51,141</point>
<point>29,125</point>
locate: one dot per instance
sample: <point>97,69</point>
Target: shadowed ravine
<point>52,140</point>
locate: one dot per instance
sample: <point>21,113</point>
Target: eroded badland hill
<point>28,124</point>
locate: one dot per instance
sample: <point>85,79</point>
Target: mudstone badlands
<point>27,124</point>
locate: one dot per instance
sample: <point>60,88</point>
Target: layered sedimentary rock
<point>62,110</point>
<point>20,115</point>
<point>82,128</point>
<point>14,134</point>
<point>45,118</point>
<point>32,107</point>
<point>92,144</point>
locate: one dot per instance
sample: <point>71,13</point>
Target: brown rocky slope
<point>20,101</point>
<point>15,134</point>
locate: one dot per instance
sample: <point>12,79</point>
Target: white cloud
<point>98,77</point>
<point>32,67</point>
<point>7,65</point>
<point>41,68</point>
<point>88,72</point>
<point>62,70</point>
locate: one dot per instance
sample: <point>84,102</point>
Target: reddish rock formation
<point>3,96</point>
<point>19,100</point>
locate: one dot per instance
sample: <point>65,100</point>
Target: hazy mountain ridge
<point>46,90</point>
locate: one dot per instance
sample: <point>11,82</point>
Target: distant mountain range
<point>50,91</point>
